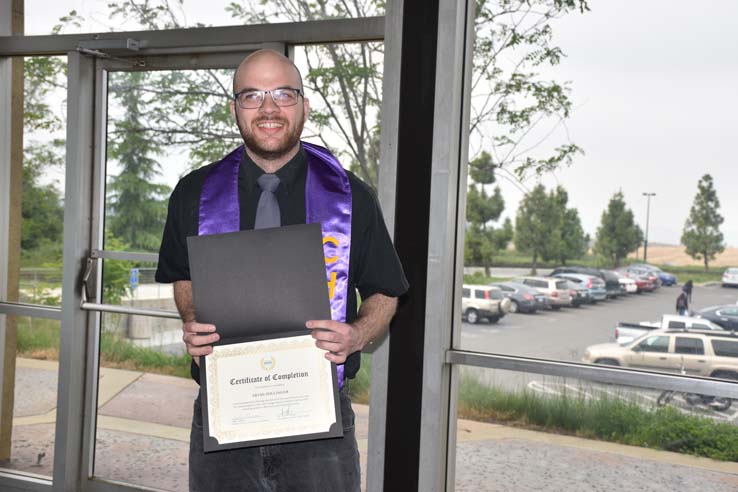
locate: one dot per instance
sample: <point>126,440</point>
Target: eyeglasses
<point>250,99</point>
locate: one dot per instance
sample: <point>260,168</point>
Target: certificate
<point>265,381</point>
<point>269,391</point>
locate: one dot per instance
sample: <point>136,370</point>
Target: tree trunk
<point>534,270</point>
<point>486,269</point>
<point>707,267</point>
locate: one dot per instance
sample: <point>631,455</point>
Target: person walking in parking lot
<point>687,289</point>
<point>682,303</point>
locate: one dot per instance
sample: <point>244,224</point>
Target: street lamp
<point>648,212</point>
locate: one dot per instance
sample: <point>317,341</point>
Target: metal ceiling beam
<point>202,39</point>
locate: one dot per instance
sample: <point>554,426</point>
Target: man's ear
<point>306,107</point>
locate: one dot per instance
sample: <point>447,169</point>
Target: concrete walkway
<point>143,434</point>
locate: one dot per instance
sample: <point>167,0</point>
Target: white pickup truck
<point>625,332</point>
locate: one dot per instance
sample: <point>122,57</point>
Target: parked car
<point>555,289</point>
<point>483,301</point>
<point>725,316</point>
<point>611,282</point>
<point>627,284</point>
<point>711,354</point>
<point>626,332</point>
<point>636,272</point>
<point>595,285</point>
<point>523,299</point>
<point>730,277</point>
<point>579,295</point>
<point>645,281</point>
<point>665,278</point>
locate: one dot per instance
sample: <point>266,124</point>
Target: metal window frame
<point>179,48</point>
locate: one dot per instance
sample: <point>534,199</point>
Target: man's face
<point>270,131</point>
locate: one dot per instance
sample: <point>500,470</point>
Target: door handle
<point>702,361</point>
<point>662,358</point>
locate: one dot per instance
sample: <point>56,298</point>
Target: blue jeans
<point>324,465</point>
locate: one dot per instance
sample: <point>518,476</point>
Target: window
<point>700,326</point>
<point>725,348</point>
<point>466,292</point>
<point>479,294</point>
<point>654,343</point>
<point>685,345</point>
<point>561,284</point>
<point>495,294</point>
<point>676,324</point>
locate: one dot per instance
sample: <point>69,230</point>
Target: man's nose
<point>268,106</point>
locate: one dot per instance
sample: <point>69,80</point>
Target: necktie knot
<point>268,182</point>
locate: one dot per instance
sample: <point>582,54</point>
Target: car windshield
<point>732,271</point>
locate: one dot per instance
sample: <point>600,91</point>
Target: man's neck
<point>271,166</point>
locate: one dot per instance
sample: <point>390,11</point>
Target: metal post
<point>77,236</point>
<point>648,213</point>
<point>11,172</point>
<point>386,193</point>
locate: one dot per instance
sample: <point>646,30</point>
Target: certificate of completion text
<point>269,389</point>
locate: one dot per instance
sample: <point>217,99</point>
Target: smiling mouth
<point>270,125</point>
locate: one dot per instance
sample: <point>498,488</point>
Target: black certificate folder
<point>259,286</point>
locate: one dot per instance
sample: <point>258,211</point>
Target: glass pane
<point>42,199</point>
<point>587,436</point>
<point>549,192</point>
<point>74,16</point>
<point>28,444</point>
<point>161,125</point>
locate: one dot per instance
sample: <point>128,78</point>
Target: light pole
<point>648,212</point>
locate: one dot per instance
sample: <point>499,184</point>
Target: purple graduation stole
<point>327,201</point>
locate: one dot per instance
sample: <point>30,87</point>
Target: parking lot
<point>565,334</point>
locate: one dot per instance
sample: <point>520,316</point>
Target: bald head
<point>266,63</point>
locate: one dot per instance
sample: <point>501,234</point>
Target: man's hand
<point>198,339</point>
<point>339,339</point>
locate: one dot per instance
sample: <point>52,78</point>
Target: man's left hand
<point>339,339</point>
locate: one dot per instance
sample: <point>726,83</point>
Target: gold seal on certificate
<point>269,389</point>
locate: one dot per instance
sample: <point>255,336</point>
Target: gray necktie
<point>267,212</point>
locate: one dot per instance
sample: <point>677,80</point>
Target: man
<point>270,110</point>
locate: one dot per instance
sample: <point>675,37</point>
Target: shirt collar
<point>288,174</point>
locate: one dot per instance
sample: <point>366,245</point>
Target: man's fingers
<point>197,340</point>
<point>195,327</point>
<point>329,346</point>
<point>325,324</point>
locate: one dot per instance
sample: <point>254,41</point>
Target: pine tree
<point>137,205</point>
<point>572,242</point>
<point>536,225</point>
<point>483,241</point>
<point>618,233</point>
<point>701,235</point>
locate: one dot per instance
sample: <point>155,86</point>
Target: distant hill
<point>669,254</point>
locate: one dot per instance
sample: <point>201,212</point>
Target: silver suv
<point>483,301</point>
<point>555,289</point>
<point>702,353</point>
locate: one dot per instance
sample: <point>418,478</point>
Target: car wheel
<point>607,362</point>
<point>472,316</point>
<point>494,319</point>
<point>555,308</point>
<point>514,307</point>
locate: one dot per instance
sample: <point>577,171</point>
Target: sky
<point>655,95</point>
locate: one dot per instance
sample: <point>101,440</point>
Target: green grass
<point>479,278</point>
<point>697,274</point>
<point>39,338</point>
<point>606,417</point>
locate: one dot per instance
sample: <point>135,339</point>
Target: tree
<point>572,242</point>
<point>137,205</point>
<point>41,201</point>
<point>513,39</point>
<point>511,102</point>
<point>618,234</point>
<point>483,241</point>
<point>536,226</point>
<point>701,235</point>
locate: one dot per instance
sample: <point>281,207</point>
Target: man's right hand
<point>198,339</point>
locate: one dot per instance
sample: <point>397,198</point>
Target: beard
<point>271,150</point>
